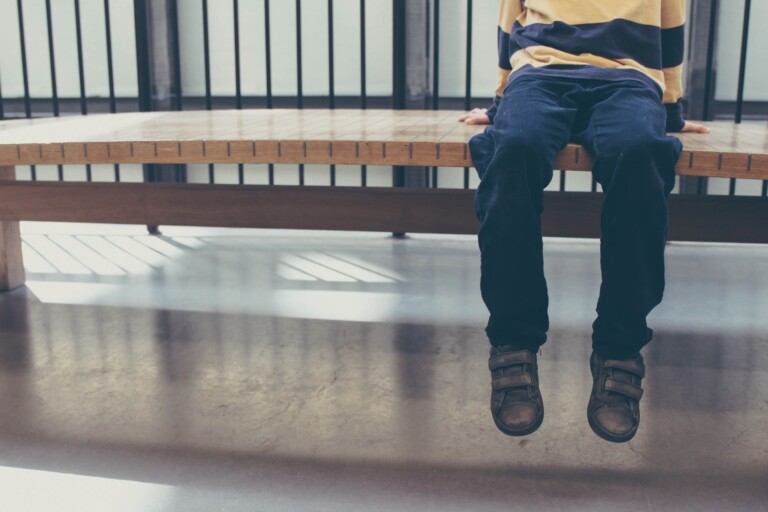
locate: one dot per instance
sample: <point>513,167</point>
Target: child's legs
<point>514,161</point>
<point>635,164</point>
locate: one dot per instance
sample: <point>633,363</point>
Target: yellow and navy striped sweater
<point>605,39</point>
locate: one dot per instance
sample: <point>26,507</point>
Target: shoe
<point>614,406</point>
<point>516,404</point>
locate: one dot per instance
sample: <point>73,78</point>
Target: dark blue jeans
<point>621,124</point>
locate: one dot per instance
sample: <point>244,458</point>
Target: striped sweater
<point>606,39</point>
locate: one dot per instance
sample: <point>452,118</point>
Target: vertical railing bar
<point>299,75</point>
<point>436,57</point>
<point>331,89</point>
<point>110,72</point>
<point>143,66</point>
<point>742,75</point>
<point>177,89</point>
<point>268,51</point>
<point>468,76</point>
<point>207,57</point>
<point>81,74</point>
<point>701,182</point>
<point>110,63</point>
<point>562,180</point>
<point>363,85</point>
<point>743,61</point>
<point>435,71</point>
<point>52,58</point>
<point>363,59</point>
<point>207,61</point>
<point>709,79</point>
<point>180,172</point>
<point>24,71</point>
<point>2,108</point>
<point>25,76</point>
<point>399,55</point>
<point>238,84</point>
<point>468,70</point>
<point>142,29</point>
<point>399,79</point>
<point>331,84</point>
<point>399,84</point>
<point>80,66</point>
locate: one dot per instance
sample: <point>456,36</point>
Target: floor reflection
<point>212,372</point>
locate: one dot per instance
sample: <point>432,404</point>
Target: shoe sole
<point>610,437</point>
<point>533,427</point>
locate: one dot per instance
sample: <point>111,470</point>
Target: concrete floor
<point>261,370</point>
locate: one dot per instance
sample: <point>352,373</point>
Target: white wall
<point>94,48</point>
<point>314,20</point>
<point>729,51</point>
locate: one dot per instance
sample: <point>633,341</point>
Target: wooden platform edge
<point>448,211</point>
<point>449,154</point>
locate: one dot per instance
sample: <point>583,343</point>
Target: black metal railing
<point>403,18</point>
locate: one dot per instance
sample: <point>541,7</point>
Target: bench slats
<point>355,137</point>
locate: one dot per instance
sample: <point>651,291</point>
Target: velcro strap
<point>632,366</point>
<point>624,388</point>
<point>517,380</point>
<point>510,359</point>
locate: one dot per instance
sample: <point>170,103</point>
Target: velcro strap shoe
<point>614,406</point>
<point>516,404</point>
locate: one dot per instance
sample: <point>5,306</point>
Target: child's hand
<point>477,116</point>
<point>694,128</point>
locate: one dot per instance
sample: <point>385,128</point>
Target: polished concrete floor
<point>269,371</point>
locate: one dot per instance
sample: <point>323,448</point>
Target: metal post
<point>398,78</point>
<point>411,68</point>
<point>143,65</point>
<point>157,56</point>
<point>701,74</point>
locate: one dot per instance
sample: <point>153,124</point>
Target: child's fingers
<point>694,128</point>
<point>472,113</point>
<point>480,119</point>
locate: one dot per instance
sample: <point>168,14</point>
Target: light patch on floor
<point>25,490</point>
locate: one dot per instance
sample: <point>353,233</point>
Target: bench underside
<point>568,214</point>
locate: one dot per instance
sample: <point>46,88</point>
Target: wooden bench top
<point>376,137</point>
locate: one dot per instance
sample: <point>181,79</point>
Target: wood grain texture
<point>383,137</point>
<point>567,214</point>
<point>11,263</point>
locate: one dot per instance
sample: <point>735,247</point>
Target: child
<point>606,75</point>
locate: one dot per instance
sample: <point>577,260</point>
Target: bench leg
<point>11,263</point>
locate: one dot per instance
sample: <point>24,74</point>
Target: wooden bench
<point>372,137</point>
